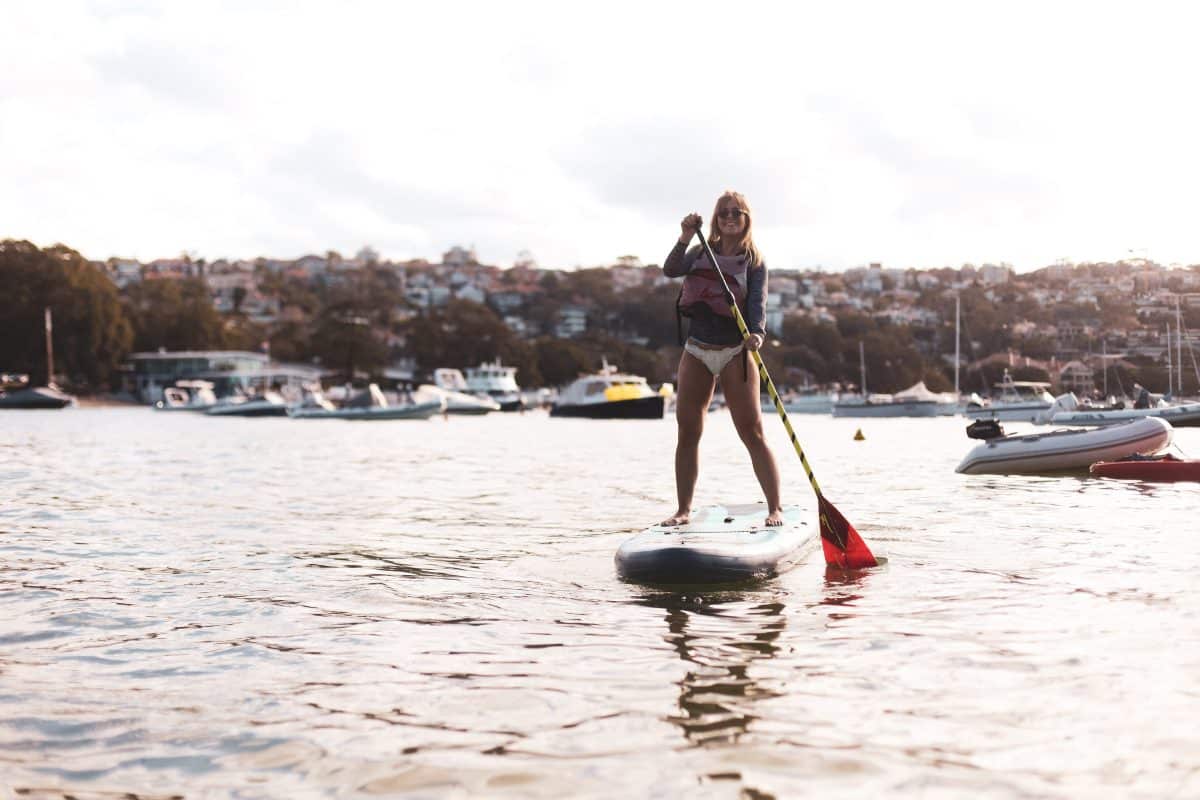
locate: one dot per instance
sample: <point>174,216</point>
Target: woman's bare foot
<point>775,518</point>
<point>678,518</point>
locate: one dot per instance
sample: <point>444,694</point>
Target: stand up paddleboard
<point>719,544</point>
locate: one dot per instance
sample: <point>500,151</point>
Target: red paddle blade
<point>843,547</point>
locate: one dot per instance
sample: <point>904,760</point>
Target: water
<point>274,608</point>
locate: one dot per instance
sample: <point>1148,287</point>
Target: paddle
<point>842,545</point>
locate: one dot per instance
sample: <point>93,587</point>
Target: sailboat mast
<point>862,368</point>
<point>1170,364</point>
<point>957,341</point>
<point>1104,364</point>
<point>49,348</point>
<point>1179,343</point>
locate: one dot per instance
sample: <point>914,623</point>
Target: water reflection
<point>719,637</point>
<point>843,587</point>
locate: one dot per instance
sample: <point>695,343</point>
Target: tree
<point>174,314</point>
<point>561,361</point>
<point>92,333</point>
<point>290,341</point>
<point>345,341</point>
<point>462,334</point>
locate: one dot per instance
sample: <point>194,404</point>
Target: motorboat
<point>369,404</point>
<point>1067,410</point>
<point>1155,469</point>
<point>498,382</point>
<point>1066,450</point>
<point>35,397</point>
<point>1013,401</point>
<point>264,404</point>
<point>452,386</point>
<point>187,395</point>
<point>609,394</point>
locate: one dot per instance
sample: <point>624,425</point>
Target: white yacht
<point>459,400</point>
<point>496,382</point>
<point>609,394</point>
<point>1013,401</point>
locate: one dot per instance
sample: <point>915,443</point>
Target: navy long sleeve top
<point>707,326</point>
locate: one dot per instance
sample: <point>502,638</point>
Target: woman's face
<point>731,218</point>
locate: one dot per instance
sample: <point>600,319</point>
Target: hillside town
<point>1095,329</point>
<point>1066,321</point>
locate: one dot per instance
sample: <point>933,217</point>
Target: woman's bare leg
<point>742,397</point>
<point>695,392</point>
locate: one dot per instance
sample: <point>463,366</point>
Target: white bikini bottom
<point>715,360</point>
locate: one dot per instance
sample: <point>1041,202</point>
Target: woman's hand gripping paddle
<point>842,545</point>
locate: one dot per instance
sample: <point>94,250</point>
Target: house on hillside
<point>311,265</point>
<point>1077,377</point>
<point>458,256</point>
<point>572,321</point>
<point>470,291</point>
<point>123,271</point>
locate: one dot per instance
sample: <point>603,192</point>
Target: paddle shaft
<point>762,368</point>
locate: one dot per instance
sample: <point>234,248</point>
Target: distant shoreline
<point>106,401</point>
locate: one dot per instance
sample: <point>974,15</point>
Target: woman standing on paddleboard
<point>715,348</point>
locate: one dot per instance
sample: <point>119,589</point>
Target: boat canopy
<point>918,391</point>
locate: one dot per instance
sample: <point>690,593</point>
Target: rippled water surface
<point>207,607</point>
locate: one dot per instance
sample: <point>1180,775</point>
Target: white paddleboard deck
<point>719,544</point>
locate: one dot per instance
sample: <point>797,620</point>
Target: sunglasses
<point>731,213</point>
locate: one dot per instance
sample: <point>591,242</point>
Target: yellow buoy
<point>858,437</point>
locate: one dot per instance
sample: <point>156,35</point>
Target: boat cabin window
<point>594,387</point>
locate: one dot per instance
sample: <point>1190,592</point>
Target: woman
<point>715,348</point>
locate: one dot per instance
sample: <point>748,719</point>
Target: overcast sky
<point>913,134</point>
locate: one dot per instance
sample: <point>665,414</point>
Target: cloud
<point>194,76</point>
<point>937,134</point>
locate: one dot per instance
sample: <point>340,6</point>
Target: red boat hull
<point>1168,468</point>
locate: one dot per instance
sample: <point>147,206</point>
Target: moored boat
<point>1155,469</point>
<point>266,404</point>
<point>1067,411</point>
<point>609,394</point>
<point>459,400</point>
<point>369,404</point>
<point>35,397</point>
<point>16,393</point>
<point>1066,450</point>
<point>805,401</point>
<point>886,405</point>
<point>915,401</point>
<point>1013,401</point>
<point>497,382</point>
<point>187,395</point>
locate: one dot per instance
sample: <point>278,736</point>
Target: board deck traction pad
<point>745,518</point>
<point>718,543</point>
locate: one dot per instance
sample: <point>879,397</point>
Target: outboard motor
<point>985,429</point>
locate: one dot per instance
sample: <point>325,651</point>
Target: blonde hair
<point>754,258</point>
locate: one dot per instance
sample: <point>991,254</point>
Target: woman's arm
<point>756,299</point>
<point>679,261</point>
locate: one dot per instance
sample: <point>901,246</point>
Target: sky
<point>916,134</point>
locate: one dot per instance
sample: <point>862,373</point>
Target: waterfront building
<point>230,371</point>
